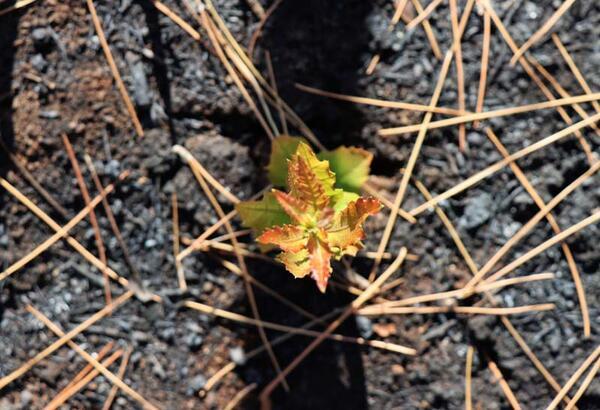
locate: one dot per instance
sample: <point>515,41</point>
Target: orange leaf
<point>320,265</point>
<point>296,209</point>
<point>346,229</point>
<point>304,184</point>
<point>290,238</point>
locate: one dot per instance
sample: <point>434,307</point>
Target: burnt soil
<point>54,79</point>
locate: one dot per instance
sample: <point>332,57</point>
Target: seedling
<point>320,216</point>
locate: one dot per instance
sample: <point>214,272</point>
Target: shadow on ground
<point>317,43</point>
<point>8,35</point>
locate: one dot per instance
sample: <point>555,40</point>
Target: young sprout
<point>315,220</point>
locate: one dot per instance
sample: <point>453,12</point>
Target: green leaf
<point>282,149</point>
<point>351,166</point>
<point>341,199</point>
<point>305,185</point>
<point>263,214</point>
<point>320,169</point>
<point>298,263</point>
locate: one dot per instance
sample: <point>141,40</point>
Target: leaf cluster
<point>319,214</point>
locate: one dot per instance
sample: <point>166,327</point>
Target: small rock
<point>555,342</point>
<point>194,341</point>
<point>481,327</point>
<point>39,63</point>
<point>195,384</point>
<point>167,334</point>
<point>237,355</point>
<point>475,139</point>
<point>158,369</point>
<point>365,326</point>
<point>523,198</point>
<point>42,39</point>
<point>49,115</point>
<point>510,229</point>
<point>552,177</point>
<point>51,373</point>
<point>141,91</point>
<point>477,211</point>
<point>140,337</point>
<point>26,397</point>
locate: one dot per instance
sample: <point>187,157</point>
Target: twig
<point>189,159</point>
<point>593,218</point>
<point>17,5</point>
<point>513,281</point>
<point>372,64</point>
<point>584,385</point>
<point>113,222</point>
<point>460,81</point>
<point>178,264</point>
<point>60,231</point>
<point>423,14</point>
<point>353,307</point>
<point>237,399</point>
<point>530,72</point>
<point>468,399</point>
<point>410,166</point>
<point>381,103</point>
<point>93,220</point>
<point>256,8</point>
<point>378,310</point>
<point>67,393</point>
<point>485,55</point>
<point>502,112</point>
<point>274,86</point>
<point>115,71</point>
<point>24,368</point>
<point>211,30</point>
<point>163,8</point>
<point>573,379</point>
<point>120,374</point>
<point>542,30</point>
<point>89,358</point>
<point>569,60</point>
<point>88,367</point>
<point>428,31</point>
<point>508,393</point>
<point>551,220</point>
<point>393,347</point>
<point>261,24</point>
<point>33,182</point>
<point>400,6</point>
<point>271,96</point>
<point>502,163</point>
